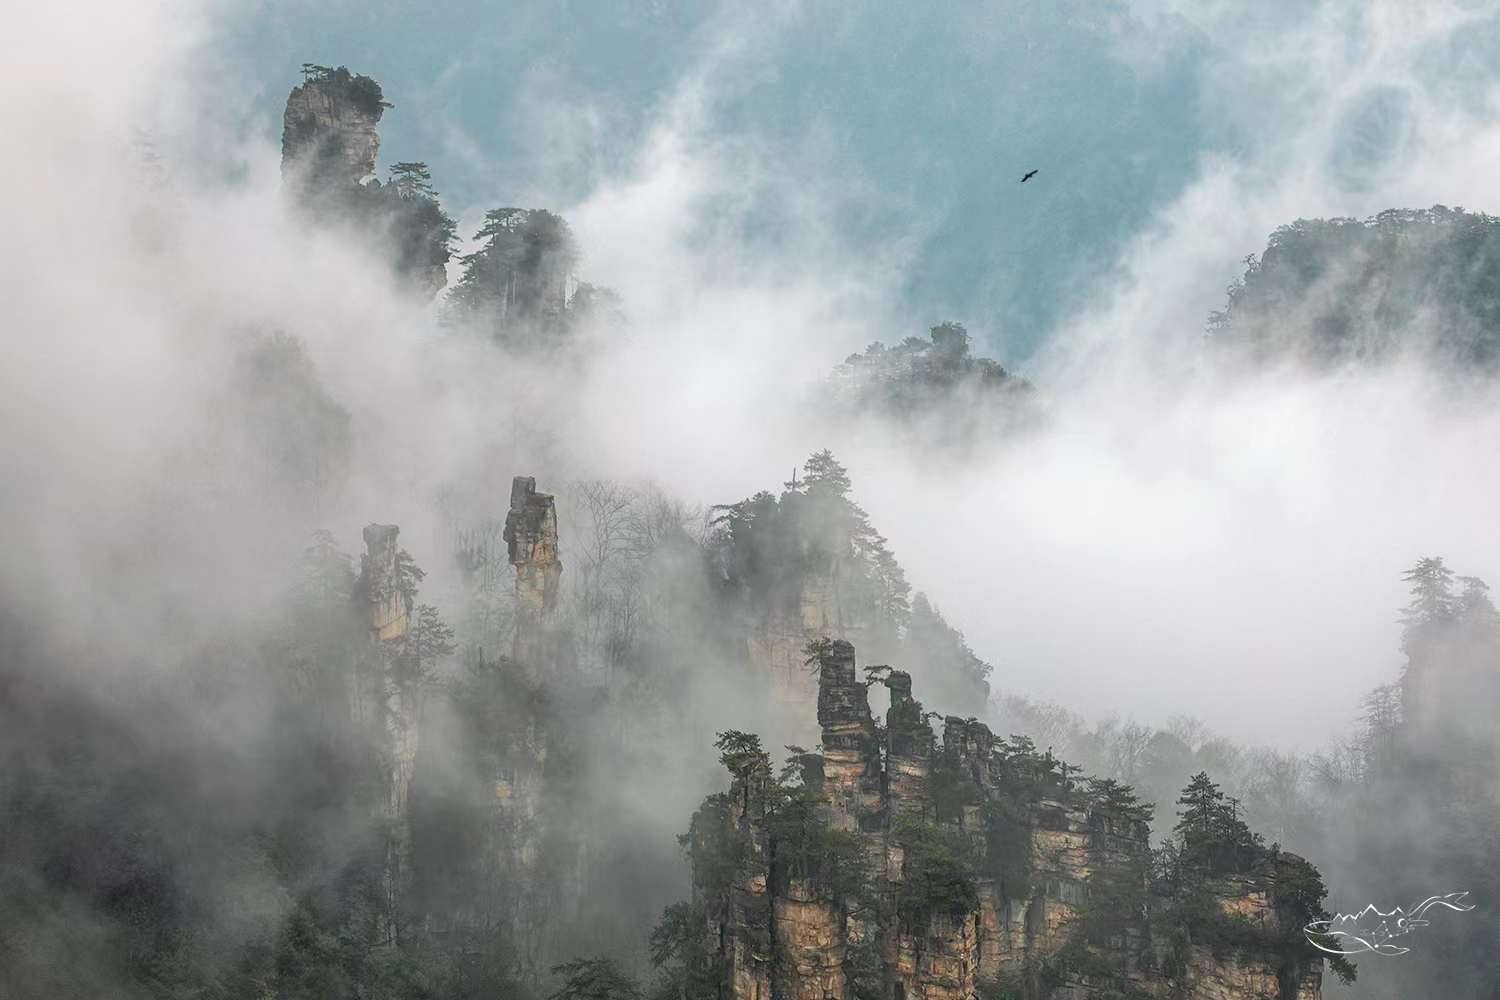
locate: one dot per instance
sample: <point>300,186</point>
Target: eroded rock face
<point>938,964</point>
<point>1041,845</point>
<point>390,610</point>
<point>909,750</point>
<point>531,537</point>
<point>390,604</point>
<point>326,131</point>
<point>531,534</point>
<point>811,943</point>
<point>794,619</point>
<point>330,139</point>
<point>851,757</point>
<point>388,694</point>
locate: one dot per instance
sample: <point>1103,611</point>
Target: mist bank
<point>202,373</point>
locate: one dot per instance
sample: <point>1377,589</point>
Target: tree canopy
<point>1328,292</point>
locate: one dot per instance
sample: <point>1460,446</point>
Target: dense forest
<point>471,760</point>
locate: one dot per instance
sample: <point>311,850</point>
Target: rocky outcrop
<point>390,609</point>
<point>851,756</point>
<point>986,866</point>
<point>331,127</point>
<point>796,615</point>
<point>391,693</point>
<point>908,750</point>
<point>329,142</point>
<point>811,944</point>
<point>531,539</point>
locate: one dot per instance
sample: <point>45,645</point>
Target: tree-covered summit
<point>939,378</point>
<point>1328,292</point>
<point>361,91</point>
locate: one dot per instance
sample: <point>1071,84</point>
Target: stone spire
<point>531,535</point>
<point>331,128</point>
<point>908,760</point>
<point>851,756</point>
<point>396,702</point>
<point>390,609</point>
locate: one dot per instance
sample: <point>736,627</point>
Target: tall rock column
<point>390,609</point>
<point>747,941</point>
<point>908,761</point>
<point>390,592</point>
<point>531,535</point>
<point>330,131</point>
<point>851,785</point>
<point>851,756</point>
<point>330,137</point>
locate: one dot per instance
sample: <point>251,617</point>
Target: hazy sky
<point>919,118</point>
<point>924,116</point>
<point>769,189</point>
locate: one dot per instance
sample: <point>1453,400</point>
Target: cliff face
<point>330,138</point>
<point>391,697</point>
<point>983,868</point>
<point>395,696</point>
<point>531,539</point>
<point>329,130</point>
<point>798,613</point>
<point>1331,292</point>
<point>389,610</point>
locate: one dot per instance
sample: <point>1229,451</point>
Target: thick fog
<point>1180,536</point>
<point>1174,542</point>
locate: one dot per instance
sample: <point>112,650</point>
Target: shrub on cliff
<point>938,873</point>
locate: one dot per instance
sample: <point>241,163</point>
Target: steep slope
<point>891,865</point>
<point>329,141</point>
<point>1328,292</point>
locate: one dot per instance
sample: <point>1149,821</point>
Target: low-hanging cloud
<point>1172,536</point>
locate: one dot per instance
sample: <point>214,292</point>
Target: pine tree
<point>514,285</point>
<point>1382,723</point>
<point>327,573</point>
<point>1199,821</point>
<point>742,754</point>
<point>594,979</point>
<point>824,474</point>
<point>428,638</point>
<point>1432,603</point>
<point>405,579</point>
<point>412,180</point>
<point>1474,606</point>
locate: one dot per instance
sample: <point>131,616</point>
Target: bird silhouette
<point>1029,175</point>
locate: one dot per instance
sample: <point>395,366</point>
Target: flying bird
<point>1029,175</point>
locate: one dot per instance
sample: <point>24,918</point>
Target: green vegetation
<point>422,233</point>
<point>1211,844</point>
<point>936,379</point>
<point>687,970</point>
<point>769,548</point>
<point>593,979</point>
<point>404,213</point>
<point>1332,291</point>
<point>515,285</point>
<point>938,874</point>
<point>360,91</point>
